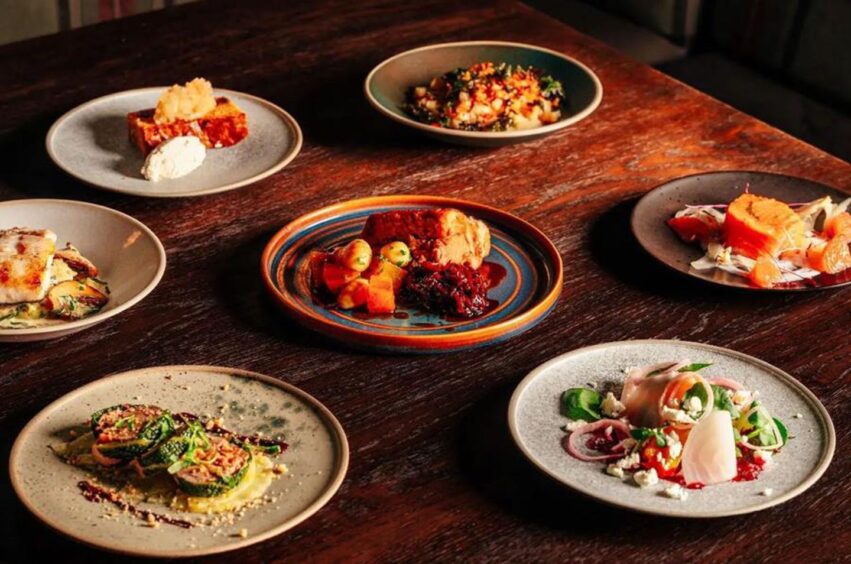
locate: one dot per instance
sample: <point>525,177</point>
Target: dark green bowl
<point>386,85</point>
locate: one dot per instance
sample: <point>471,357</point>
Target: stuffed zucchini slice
<point>167,452</point>
<point>124,432</point>
<point>211,465</point>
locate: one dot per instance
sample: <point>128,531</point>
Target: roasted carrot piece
<point>381,298</point>
<point>755,225</point>
<point>335,276</point>
<point>354,294</point>
<point>838,226</point>
<point>765,272</point>
<point>831,258</point>
<point>383,267</point>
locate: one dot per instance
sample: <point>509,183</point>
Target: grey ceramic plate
<point>387,84</point>
<point>660,204</point>
<point>130,257</point>
<point>536,425</point>
<point>317,458</point>
<point>91,143</point>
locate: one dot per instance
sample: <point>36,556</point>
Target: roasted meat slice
<point>442,236</point>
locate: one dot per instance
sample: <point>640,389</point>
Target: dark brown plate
<point>660,204</point>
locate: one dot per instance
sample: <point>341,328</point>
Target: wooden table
<point>433,474</point>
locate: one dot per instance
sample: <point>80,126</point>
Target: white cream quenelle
<point>174,158</point>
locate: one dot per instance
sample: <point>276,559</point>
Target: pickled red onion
<point>726,383</point>
<point>570,443</point>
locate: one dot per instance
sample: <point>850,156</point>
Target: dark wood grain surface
<point>434,475</point>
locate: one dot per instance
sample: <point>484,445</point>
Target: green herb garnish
<point>724,400</point>
<point>643,433</point>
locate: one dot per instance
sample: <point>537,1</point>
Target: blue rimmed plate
<point>524,295</point>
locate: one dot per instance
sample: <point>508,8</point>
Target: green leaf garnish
<point>695,367</point>
<point>643,433</point>
<point>581,403</point>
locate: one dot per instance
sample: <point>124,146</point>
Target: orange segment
<point>691,229</point>
<point>765,272</point>
<point>838,226</point>
<point>831,258</point>
<point>756,225</point>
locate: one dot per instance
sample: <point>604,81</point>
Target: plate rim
<point>331,489</point>
<point>823,463</point>
<point>416,343</point>
<point>486,135</point>
<point>101,315</point>
<point>633,220</point>
<point>286,117</point>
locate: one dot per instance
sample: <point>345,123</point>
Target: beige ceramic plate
<point>317,458</point>
<point>130,257</point>
<point>91,143</point>
<point>536,426</point>
<point>387,85</point>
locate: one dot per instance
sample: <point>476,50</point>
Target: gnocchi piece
<point>354,294</point>
<point>396,253</point>
<point>356,255</point>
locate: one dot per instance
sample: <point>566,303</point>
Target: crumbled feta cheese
<point>677,415</point>
<point>646,478</point>
<point>611,406</point>
<point>763,455</point>
<point>628,462</point>
<point>629,444</point>
<point>767,492</point>
<point>693,406</point>
<point>676,491</point>
<point>574,425</point>
<point>675,447</point>
<point>798,415</point>
<point>615,470</point>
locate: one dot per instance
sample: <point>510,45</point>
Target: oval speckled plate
<point>317,458</point>
<point>536,426</point>
<point>91,143</point>
<point>525,295</point>
<point>660,204</point>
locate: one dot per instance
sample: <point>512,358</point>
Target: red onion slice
<point>726,383</point>
<point>571,442</point>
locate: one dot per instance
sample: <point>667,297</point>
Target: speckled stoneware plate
<point>526,293</point>
<point>536,425</point>
<point>130,257</point>
<point>317,458</point>
<point>660,204</point>
<point>91,143</point>
<point>387,85</point>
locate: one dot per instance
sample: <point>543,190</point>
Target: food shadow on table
<point>492,464</point>
<point>26,170</point>
<point>335,113</point>
<point>23,537</point>
<point>240,288</point>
